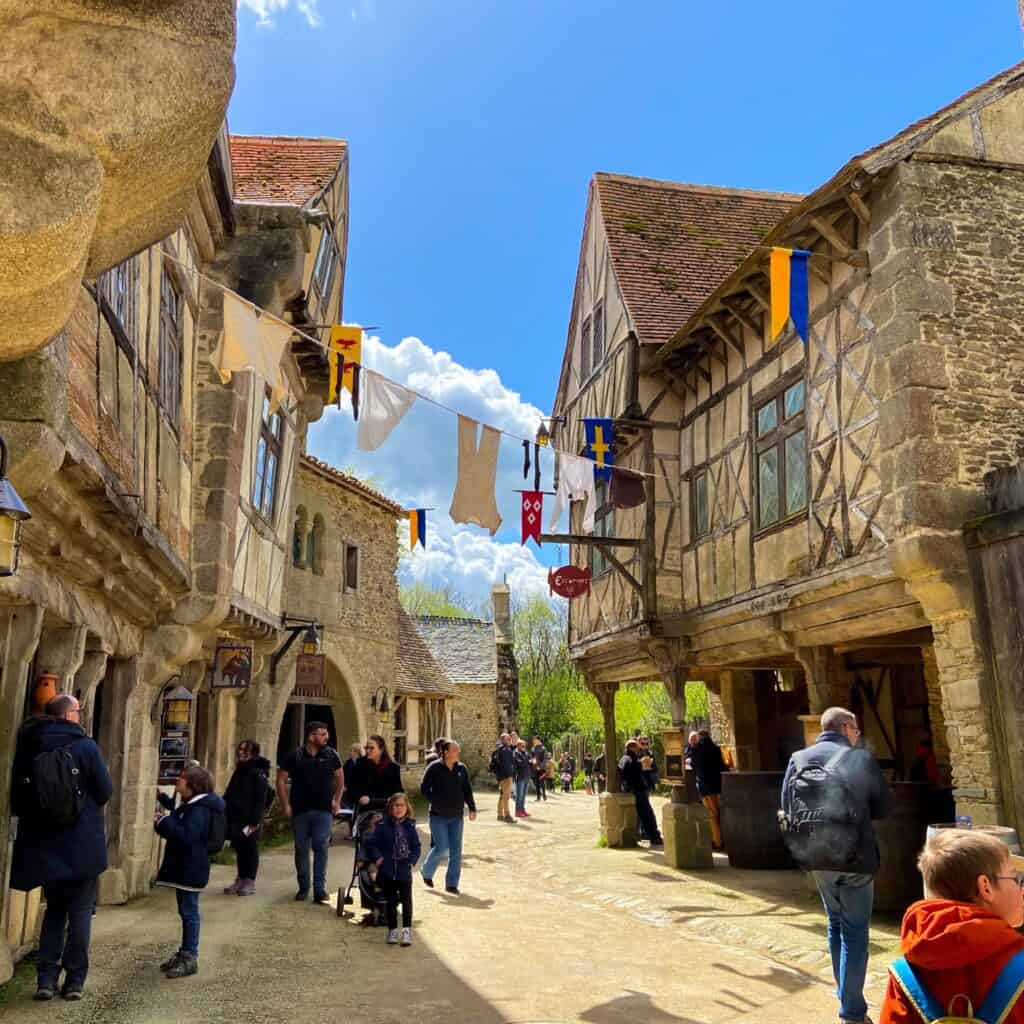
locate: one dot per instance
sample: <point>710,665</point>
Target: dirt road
<point>549,929</point>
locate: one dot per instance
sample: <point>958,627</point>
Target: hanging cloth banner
<point>417,527</point>
<point>473,501</point>
<point>533,513</point>
<point>788,276</point>
<point>384,403</point>
<point>599,434</point>
<point>252,342</point>
<point>627,489</point>
<point>575,483</point>
<point>344,351</point>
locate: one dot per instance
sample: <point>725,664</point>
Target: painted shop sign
<point>232,667</point>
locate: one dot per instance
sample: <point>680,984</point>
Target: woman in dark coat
<point>186,864</point>
<point>245,803</point>
<point>376,777</point>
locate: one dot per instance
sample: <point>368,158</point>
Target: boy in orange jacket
<point>959,945</point>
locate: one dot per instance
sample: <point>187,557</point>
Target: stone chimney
<point>506,691</point>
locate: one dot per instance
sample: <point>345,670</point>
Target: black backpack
<point>55,793</point>
<point>218,832</point>
<point>821,816</point>
<point>493,766</point>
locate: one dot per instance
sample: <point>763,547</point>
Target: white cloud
<point>417,466</point>
<point>265,10</point>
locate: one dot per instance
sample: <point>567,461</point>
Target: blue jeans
<point>848,899</point>
<point>312,828</point>
<point>64,937</point>
<point>522,786</point>
<point>188,910</point>
<point>446,835</point>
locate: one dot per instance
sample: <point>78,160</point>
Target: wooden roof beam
<point>827,230</point>
<point>744,318</point>
<point>859,207</point>
<point>720,330</point>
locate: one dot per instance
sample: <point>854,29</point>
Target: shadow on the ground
<point>632,1006</point>
<point>787,979</point>
<point>465,900</point>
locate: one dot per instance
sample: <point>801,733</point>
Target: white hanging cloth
<point>575,483</point>
<point>382,404</point>
<point>473,501</point>
<point>252,342</point>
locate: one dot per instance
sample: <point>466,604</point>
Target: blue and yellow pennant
<point>417,527</point>
<point>788,275</point>
<point>599,447</point>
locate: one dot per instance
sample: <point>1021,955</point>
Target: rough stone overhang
<point>744,292</point>
<point>110,111</point>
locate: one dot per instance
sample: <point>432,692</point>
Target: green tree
<point>420,598</point>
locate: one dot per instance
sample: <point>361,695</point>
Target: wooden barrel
<point>900,839</point>
<point>750,826</point>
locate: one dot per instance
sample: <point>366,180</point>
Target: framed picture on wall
<point>170,769</point>
<point>174,746</point>
<point>232,666</point>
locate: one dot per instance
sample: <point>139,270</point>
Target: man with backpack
<point>59,785</point>
<point>831,793</point>
<point>503,767</point>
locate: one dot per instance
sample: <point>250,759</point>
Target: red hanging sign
<point>533,513</point>
<point>569,581</point>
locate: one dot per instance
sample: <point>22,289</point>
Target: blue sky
<point>474,129</point>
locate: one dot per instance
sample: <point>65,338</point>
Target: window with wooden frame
<point>172,317</point>
<point>780,444</point>
<point>315,547</point>
<point>701,508</point>
<point>324,267</point>
<point>350,580</point>
<point>268,460</point>
<point>597,337</point>
<point>119,286</point>
<point>604,526</point>
<point>585,349</point>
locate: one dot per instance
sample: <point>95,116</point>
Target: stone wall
<point>947,279</point>
<point>475,725</point>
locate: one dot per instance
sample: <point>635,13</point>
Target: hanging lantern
<point>380,704</point>
<point>311,641</point>
<point>12,513</point>
<point>543,437</point>
<point>177,709</point>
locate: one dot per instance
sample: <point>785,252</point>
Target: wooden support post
<point>605,693</point>
<point>650,548</point>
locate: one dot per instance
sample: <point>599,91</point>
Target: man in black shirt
<point>448,791</point>
<point>317,782</point>
<point>633,780</point>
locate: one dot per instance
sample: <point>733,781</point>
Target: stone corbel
<point>670,657</point>
<point>62,651</point>
<point>87,678</point>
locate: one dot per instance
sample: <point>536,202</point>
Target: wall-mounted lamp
<point>543,437</point>
<point>380,704</point>
<point>311,640</point>
<point>13,512</point>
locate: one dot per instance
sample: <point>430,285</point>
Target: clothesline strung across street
<point>419,394</point>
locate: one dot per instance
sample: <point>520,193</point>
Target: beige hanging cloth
<point>252,342</point>
<point>473,501</point>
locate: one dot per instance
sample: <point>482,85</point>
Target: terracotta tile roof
<point>418,672</point>
<point>280,169</point>
<point>464,648</point>
<point>352,483</point>
<point>672,244</point>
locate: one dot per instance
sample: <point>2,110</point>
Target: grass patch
<point>22,982</point>
<point>602,843</point>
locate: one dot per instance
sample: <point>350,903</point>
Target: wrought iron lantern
<point>380,703</point>
<point>177,706</point>
<point>13,512</point>
<point>311,640</point>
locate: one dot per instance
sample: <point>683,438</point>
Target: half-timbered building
<point>801,544</point>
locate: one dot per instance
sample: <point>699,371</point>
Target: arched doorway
<point>333,704</point>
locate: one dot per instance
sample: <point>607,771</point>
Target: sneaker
<point>509,819</point>
<point>248,887</point>
<point>232,889</point>
<point>171,961</point>
<point>428,882</point>
<point>452,890</point>
<point>321,897</point>
<point>520,814</point>
<point>658,842</point>
<point>44,993</point>
<point>301,896</point>
<point>406,936</point>
<point>187,965</point>
<point>393,937</point>
<point>72,990</point>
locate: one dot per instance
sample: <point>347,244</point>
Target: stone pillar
<point>936,714</point>
<point>20,628</point>
<point>62,651</point>
<point>740,706</point>
<point>605,693</point>
<point>507,685</point>
<point>686,829</point>
<point>87,679</point>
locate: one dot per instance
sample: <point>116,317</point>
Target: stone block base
<point>113,888</point>
<point>618,819</point>
<point>687,832</point>
<point>6,962</point>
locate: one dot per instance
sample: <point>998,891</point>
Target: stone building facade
<point>148,544</point>
<point>801,543</point>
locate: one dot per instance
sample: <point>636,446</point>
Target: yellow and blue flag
<point>788,275</point>
<point>344,352</point>
<point>599,446</point>
<point>417,527</point>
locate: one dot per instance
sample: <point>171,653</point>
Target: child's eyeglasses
<point>1019,879</point>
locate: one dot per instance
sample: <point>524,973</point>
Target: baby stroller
<point>364,873</point>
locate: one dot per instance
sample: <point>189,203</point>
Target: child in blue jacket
<point>395,846</point>
<point>186,862</point>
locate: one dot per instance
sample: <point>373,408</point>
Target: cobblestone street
<point>549,928</point>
